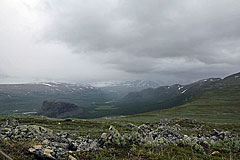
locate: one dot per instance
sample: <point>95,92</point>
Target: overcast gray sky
<point>176,41</point>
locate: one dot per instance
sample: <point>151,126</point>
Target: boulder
<point>215,153</point>
<point>131,126</point>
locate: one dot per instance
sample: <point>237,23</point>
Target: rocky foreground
<point>50,144</point>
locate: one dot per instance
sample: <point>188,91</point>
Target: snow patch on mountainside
<point>129,84</point>
<point>47,84</point>
<point>183,91</point>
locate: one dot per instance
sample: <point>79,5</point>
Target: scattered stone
<point>52,145</point>
<point>48,152</point>
<point>71,157</point>
<point>131,126</point>
<point>215,153</point>
<point>10,123</point>
<point>37,146</point>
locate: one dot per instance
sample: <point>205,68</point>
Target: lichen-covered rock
<point>131,126</point>
<point>113,131</point>
<point>87,144</point>
<point>215,153</point>
<point>71,157</point>
<point>56,145</point>
<point>9,123</point>
<point>42,152</point>
<point>29,133</point>
<point>163,135</point>
<point>144,129</point>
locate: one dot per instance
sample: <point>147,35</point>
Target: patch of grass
<point>16,150</point>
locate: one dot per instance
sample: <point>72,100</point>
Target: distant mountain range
<point>28,98</point>
<point>113,98</point>
<point>129,84</point>
<point>119,89</point>
<point>24,98</point>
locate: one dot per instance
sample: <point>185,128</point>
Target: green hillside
<point>218,105</point>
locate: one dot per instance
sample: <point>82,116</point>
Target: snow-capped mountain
<point>129,84</point>
<point>44,87</point>
<point>29,97</point>
<point>122,88</point>
<point>175,95</point>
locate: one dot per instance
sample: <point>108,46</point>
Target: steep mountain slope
<point>219,104</point>
<point>176,95</point>
<point>166,96</point>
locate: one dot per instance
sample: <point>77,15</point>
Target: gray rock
<point>131,126</point>
<point>56,145</point>
<point>10,123</point>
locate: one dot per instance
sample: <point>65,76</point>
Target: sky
<point>80,41</point>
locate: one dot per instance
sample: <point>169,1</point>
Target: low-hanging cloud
<point>142,36</point>
<point>151,39</point>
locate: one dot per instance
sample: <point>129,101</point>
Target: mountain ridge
<point>97,102</point>
<point>175,95</point>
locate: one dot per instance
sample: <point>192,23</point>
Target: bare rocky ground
<point>50,144</point>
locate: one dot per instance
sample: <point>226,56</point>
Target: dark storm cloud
<point>172,40</point>
<point>146,35</point>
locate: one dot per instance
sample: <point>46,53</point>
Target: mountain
<point>220,103</point>
<point>203,123</point>
<point>59,109</point>
<point>28,98</point>
<point>119,89</point>
<point>176,95</point>
<point>232,80</point>
<point>108,99</point>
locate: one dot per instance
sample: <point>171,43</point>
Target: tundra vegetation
<point>30,137</point>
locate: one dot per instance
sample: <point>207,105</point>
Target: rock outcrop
<point>49,144</point>
<point>59,109</point>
